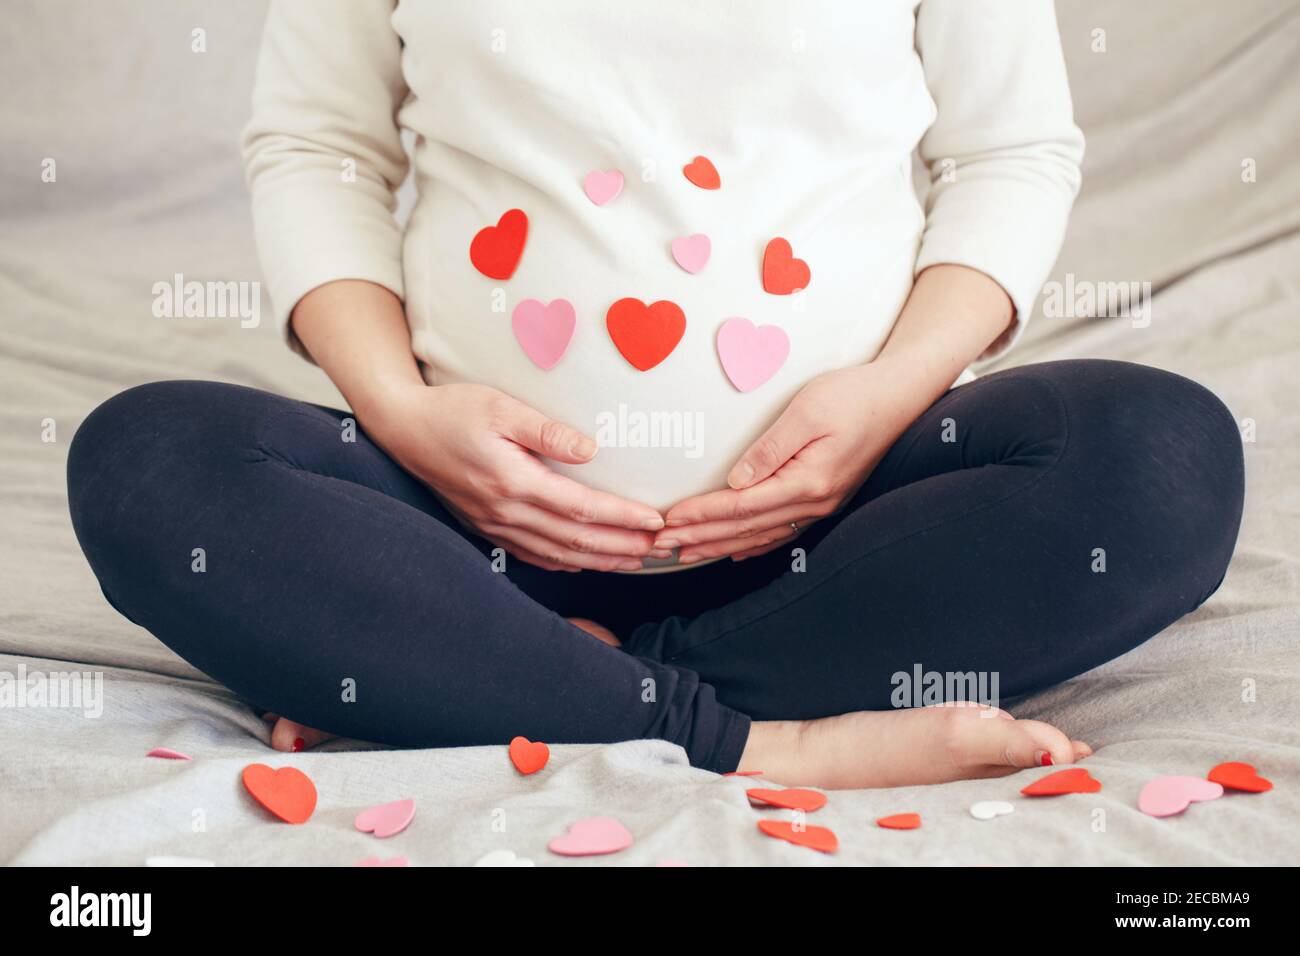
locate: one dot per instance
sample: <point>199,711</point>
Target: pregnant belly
<point>672,408</point>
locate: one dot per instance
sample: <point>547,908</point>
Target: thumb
<point>773,449</point>
<point>547,437</point>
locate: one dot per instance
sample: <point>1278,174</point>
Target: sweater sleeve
<point>1004,152</point>
<point>322,151</point>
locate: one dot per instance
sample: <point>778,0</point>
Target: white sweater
<point>808,112</point>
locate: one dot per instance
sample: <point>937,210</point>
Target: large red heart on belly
<point>645,334</point>
<point>495,250</point>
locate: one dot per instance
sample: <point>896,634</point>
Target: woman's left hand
<point>812,460</point>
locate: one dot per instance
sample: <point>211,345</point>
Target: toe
<point>289,736</point>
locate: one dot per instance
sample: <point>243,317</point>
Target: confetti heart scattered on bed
<point>988,809</point>
<point>391,861</point>
<point>1166,796</point>
<point>544,331</point>
<point>692,252</point>
<point>792,798</point>
<point>527,756</point>
<point>821,839</point>
<point>287,792</point>
<point>645,334</point>
<point>495,250</point>
<point>1240,776</point>
<point>1074,780</point>
<point>167,753</point>
<point>900,821</point>
<point>504,858</point>
<point>783,274</point>
<point>751,354</point>
<point>602,186</point>
<point>177,861</point>
<point>702,173</point>
<point>386,819</point>
<point>593,836</point>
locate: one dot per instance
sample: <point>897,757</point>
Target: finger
<point>557,553</point>
<point>731,505</point>
<point>585,538</point>
<point>773,449</point>
<point>722,549</point>
<point>570,499</point>
<point>725,530</point>
<point>528,427</point>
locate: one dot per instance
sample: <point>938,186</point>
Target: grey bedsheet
<point>149,185</point>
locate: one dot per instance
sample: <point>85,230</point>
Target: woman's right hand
<point>479,450</point>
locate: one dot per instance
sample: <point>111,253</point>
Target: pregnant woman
<point>661,418</point>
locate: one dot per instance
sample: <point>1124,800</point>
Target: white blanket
<point>148,184</point>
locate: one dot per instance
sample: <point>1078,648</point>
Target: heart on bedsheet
<point>1074,780</point>
<point>792,798</point>
<point>822,839</point>
<point>287,792</point>
<point>593,836</point>
<point>1166,796</point>
<point>527,756</point>
<point>1240,776</point>
<point>391,861</point>
<point>900,821</point>
<point>386,819</point>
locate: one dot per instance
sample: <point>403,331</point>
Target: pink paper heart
<point>751,354</point>
<point>1165,796</point>
<point>391,861</point>
<point>166,753</point>
<point>602,186</point>
<point>692,252</point>
<point>386,819</point>
<point>544,331</point>
<point>592,837</point>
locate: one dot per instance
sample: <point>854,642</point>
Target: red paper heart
<point>702,173</point>
<point>900,821</point>
<point>815,838</point>
<point>1074,780</point>
<point>645,334</point>
<point>286,792</point>
<point>495,250</point>
<point>528,757</point>
<point>789,799</point>
<point>782,272</point>
<point>744,773</point>
<point>1239,776</point>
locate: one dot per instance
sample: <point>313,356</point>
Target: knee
<point>116,449</point>
<point>1172,455</point>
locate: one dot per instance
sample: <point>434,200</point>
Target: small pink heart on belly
<point>751,354</point>
<point>602,186</point>
<point>544,331</point>
<point>1165,796</point>
<point>692,252</point>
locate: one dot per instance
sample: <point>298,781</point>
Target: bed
<point>1191,192</point>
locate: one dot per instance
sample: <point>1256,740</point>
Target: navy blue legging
<point>339,592</point>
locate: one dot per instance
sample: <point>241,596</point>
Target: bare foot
<point>897,748</point>
<point>598,631</point>
<point>290,736</point>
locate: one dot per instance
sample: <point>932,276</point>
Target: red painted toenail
<point>1046,761</point>
<point>299,744</point>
